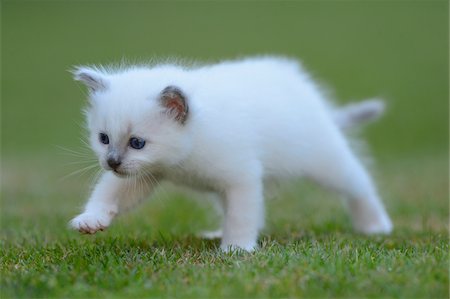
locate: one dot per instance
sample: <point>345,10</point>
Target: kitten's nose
<point>113,162</point>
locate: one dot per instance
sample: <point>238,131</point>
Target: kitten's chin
<point>125,174</point>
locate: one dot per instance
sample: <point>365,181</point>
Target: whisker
<point>80,162</point>
<point>85,143</point>
<point>156,183</point>
<point>73,152</point>
<point>79,172</point>
<point>82,157</point>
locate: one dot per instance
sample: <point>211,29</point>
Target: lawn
<point>308,248</point>
<point>359,49</point>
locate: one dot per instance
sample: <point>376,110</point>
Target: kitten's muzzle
<point>113,162</point>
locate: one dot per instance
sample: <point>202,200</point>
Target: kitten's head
<point>136,126</point>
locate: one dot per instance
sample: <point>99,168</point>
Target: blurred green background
<point>397,50</point>
<point>394,49</point>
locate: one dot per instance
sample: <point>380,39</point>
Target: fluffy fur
<point>245,122</point>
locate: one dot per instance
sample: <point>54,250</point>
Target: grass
<point>307,250</point>
<point>317,265</point>
<point>394,49</point>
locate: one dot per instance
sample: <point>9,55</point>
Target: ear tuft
<point>91,77</point>
<point>174,100</point>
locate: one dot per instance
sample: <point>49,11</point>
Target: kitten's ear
<point>175,102</point>
<point>92,78</point>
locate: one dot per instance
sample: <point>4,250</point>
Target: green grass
<point>394,49</point>
<point>308,248</point>
<point>317,265</point>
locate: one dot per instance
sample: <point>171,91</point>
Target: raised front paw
<point>90,223</point>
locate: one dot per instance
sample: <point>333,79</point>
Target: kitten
<point>224,128</point>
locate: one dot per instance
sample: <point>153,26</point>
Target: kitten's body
<point>226,128</point>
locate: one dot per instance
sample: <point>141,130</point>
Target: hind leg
<point>338,168</point>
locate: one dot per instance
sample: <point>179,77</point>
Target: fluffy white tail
<point>357,113</point>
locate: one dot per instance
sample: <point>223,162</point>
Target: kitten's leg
<point>109,195</point>
<point>340,169</point>
<point>244,216</point>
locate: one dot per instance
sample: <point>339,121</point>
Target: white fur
<point>248,121</point>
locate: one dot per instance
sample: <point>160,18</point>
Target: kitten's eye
<point>103,138</point>
<point>137,143</point>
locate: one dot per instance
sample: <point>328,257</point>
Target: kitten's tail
<point>357,113</point>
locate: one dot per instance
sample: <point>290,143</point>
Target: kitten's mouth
<point>119,173</point>
<point>123,174</point>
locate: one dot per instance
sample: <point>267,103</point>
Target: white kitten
<point>223,128</point>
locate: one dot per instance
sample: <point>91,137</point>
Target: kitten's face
<point>135,130</point>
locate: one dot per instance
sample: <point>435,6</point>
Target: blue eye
<point>103,138</point>
<point>137,143</point>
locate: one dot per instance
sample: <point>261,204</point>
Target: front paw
<point>90,223</point>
